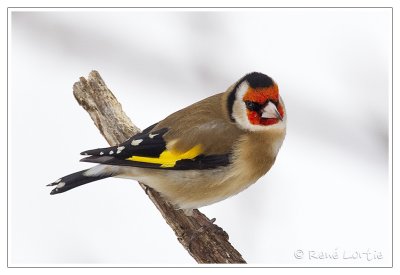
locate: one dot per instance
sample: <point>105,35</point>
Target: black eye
<point>253,106</point>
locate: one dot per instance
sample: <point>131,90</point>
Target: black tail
<point>73,180</point>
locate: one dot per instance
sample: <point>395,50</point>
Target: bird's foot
<point>207,226</point>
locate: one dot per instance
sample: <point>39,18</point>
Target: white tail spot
<point>61,185</point>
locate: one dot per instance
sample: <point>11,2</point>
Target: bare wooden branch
<point>205,241</point>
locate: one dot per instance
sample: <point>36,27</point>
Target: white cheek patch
<point>239,108</point>
<point>239,111</point>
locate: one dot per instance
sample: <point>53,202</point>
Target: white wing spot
<point>57,181</point>
<point>136,142</point>
<point>61,185</point>
<point>111,152</point>
<point>153,135</point>
<point>119,149</point>
<point>101,153</point>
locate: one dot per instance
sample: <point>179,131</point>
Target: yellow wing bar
<point>168,159</point>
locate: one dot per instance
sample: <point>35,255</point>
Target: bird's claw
<point>204,228</point>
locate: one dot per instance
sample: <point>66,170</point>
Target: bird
<point>201,154</point>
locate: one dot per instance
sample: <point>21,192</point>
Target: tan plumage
<point>207,126</point>
<point>207,151</point>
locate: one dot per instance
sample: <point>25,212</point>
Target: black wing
<point>148,149</point>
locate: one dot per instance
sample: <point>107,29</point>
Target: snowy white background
<point>328,192</point>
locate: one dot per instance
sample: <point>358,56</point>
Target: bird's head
<point>254,103</point>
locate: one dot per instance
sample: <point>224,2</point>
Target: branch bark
<point>205,241</point>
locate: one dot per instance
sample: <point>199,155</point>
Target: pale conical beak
<point>270,111</point>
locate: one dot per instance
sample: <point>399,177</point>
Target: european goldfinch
<point>203,153</point>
